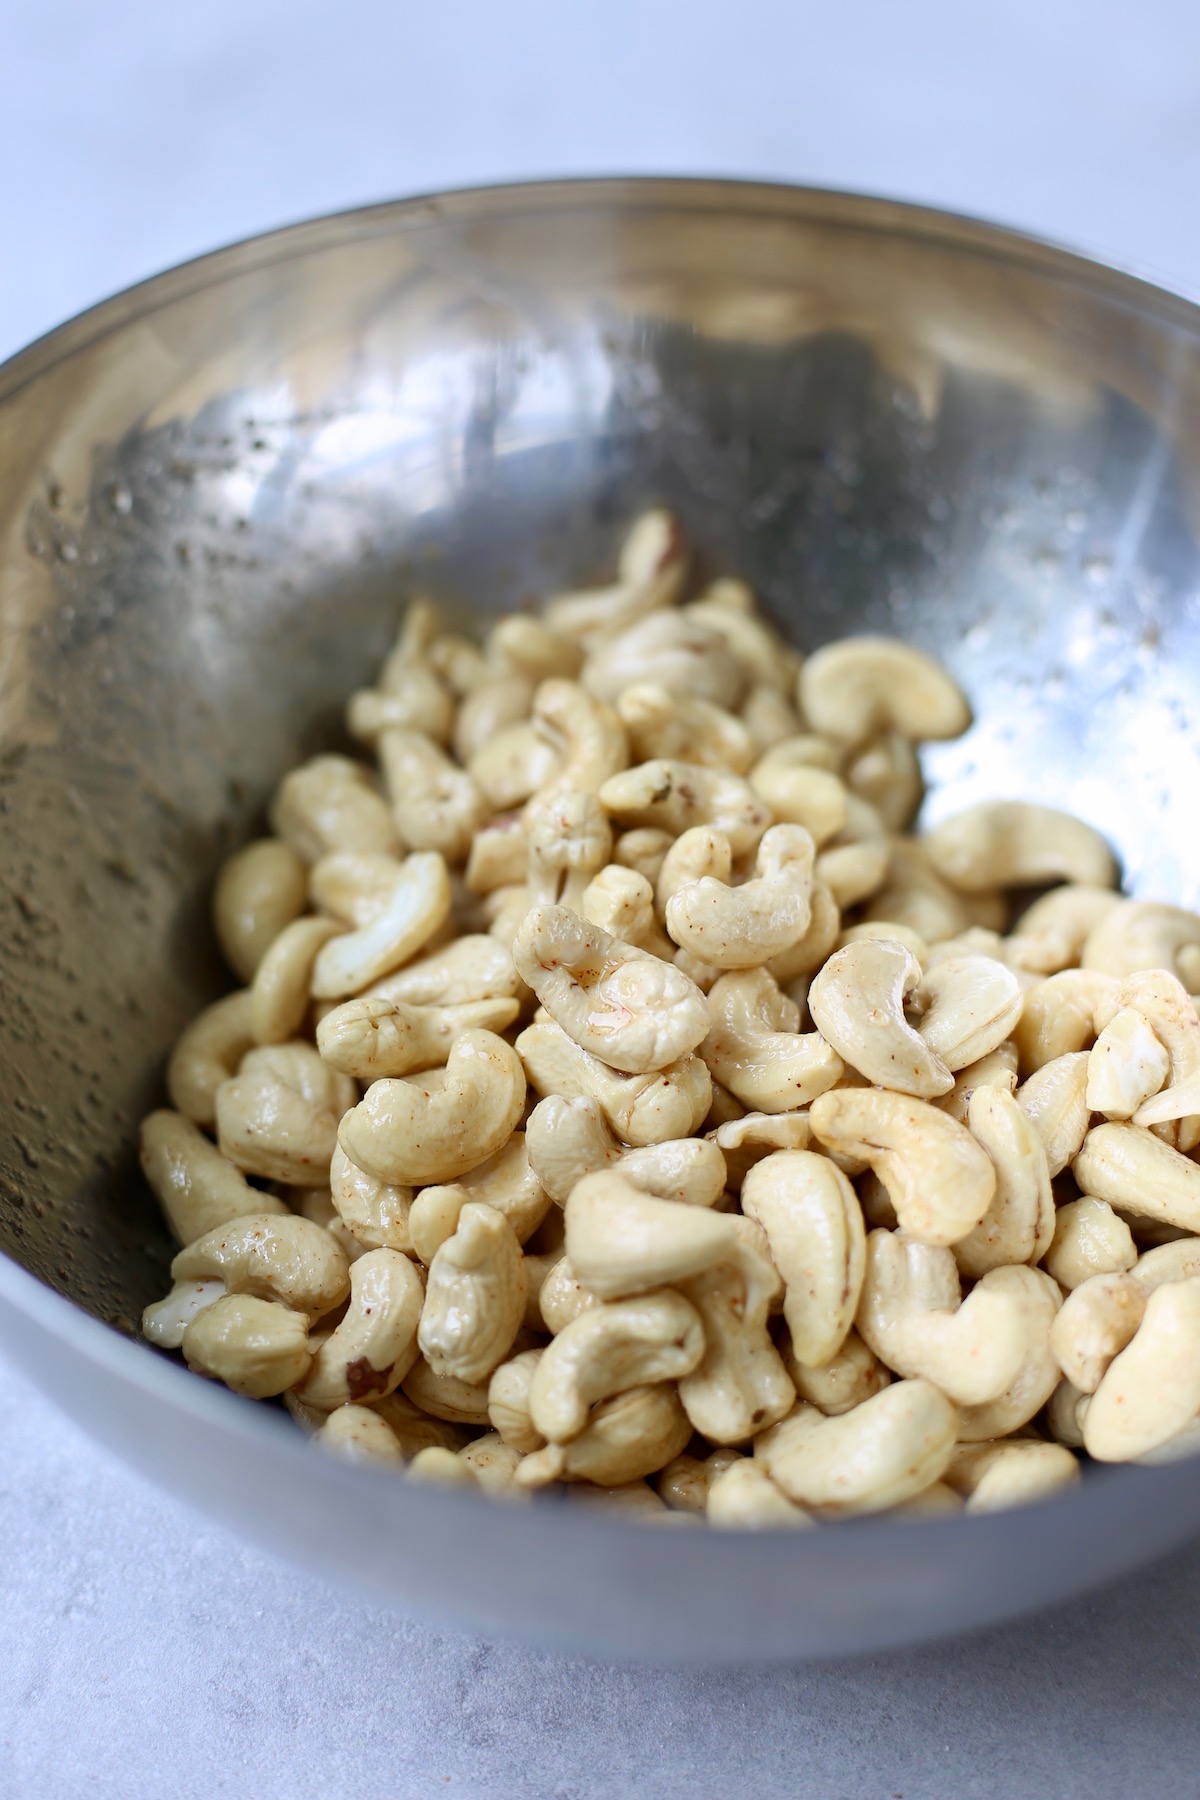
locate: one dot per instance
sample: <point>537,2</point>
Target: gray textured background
<point>146,1652</point>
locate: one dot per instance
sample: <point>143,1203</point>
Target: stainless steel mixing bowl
<point>215,490</point>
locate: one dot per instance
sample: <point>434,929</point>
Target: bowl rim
<point>135,1362</point>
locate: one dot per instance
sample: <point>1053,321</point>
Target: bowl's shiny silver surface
<point>215,491</point>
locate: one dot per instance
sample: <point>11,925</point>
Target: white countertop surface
<point>148,1652</point>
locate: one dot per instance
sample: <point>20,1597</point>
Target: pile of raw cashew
<point>620,1101</point>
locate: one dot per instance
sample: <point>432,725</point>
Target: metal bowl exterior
<point>215,490</point>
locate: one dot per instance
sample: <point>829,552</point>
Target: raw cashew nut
<point>514,765</point>
<point>508,1402</point>
<point>417,904</point>
<point>886,773</point>
<point>1178,1261</point>
<point>436,1126</point>
<point>1131,1168</point>
<point>414,699</point>
<point>372,1038</point>
<point>568,1139</point>
<point>810,951</point>
<point>1051,933</point>
<point>278,1116</point>
<point>608,1349</point>
<point>585,735</point>
<point>475,1299</point>
<point>1145,934</point>
<point>375,1212</point>
<point>570,840</point>
<point>195,1185</point>
<point>745,1141</point>
<point>859,686</point>
<point>678,795</point>
<point>531,648</point>
<point>650,572</point>
<point>259,891</point>
<point>207,1053</point>
<point>361,1436</point>
<point>764,656</point>
<point>563,1297</point>
<point>621,902</point>
<point>280,991</point>
<point>683,726</point>
<point>970,1005</point>
<point>484,713</point>
<point>371,1350</point>
<point>744,1498</point>
<point>891,1447</point>
<point>994,1476</point>
<point>437,805</point>
<point>998,1070</point>
<point>472,968</point>
<point>506,1181</point>
<point>622,1241</point>
<point>1127,1066</point>
<point>854,863</point>
<point>641,1109</point>
<point>844,1382</point>
<point>1039,1299</point>
<point>1089,1239</point>
<point>1019,1224</point>
<point>1015,843</point>
<point>814,1227</point>
<point>686,1480</point>
<point>1054,1100</point>
<point>288,1260</point>
<point>256,1347</point>
<point>1168,1008</point>
<point>741,927</point>
<point>622,1005</point>
<point>913,1316</point>
<point>740,1385</point>
<point>671,650</point>
<point>643,850</point>
<point>332,803</point>
<point>755,1049</point>
<point>800,789</point>
<point>445,1396</point>
<point>499,855</point>
<point>940,1181</point>
<point>915,895</point>
<point>1151,1391</point>
<point>1094,1323</point>
<point>857,1003</point>
<point>627,1437</point>
<point>1058,1017</point>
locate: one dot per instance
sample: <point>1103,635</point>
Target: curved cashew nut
<point>529,647</point>
<point>256,1347</point>
<point>940,1181</point>
<point>621,902</point>
<point>506,1181</point>
<point>1015,843</point>
<point>1151,1390</point>
<point>485,712</point>
<point>373,1211</point>
<point>678,795</point>
<point>370,1351</point>
<point>207,1052</point>
<point>891,1447</point>
<point>568,1139</point>
<point>563,1297</point>
<point>915,895</point>
<point>513,765</point>
<point>508,1402</point>
<point>643,850</point>
<point>1145,934</point>
<point>417,905</point>
<point>280,991</point>
<point>499,855</point>
<point>260,889</point>
<point>197,1187</point>
<point>1054,1100</point>
<point>570,840</point>
<point>371,1038</point>
<point>857,1003</point>
<point>436,1126</point>
<point>744,1498</point>
<point>1059,1016</point>
<point>630,1436</point>
<point>1019,1224</point>
<point>814,1228</point>
<point>698,854</point>
<point>1038,1297</point>
<point>1127,1065</point>
<point>1050,934</point>
<point>437,805</point>
<point>995,1476</point>
<point>475,1298</point>
<point>1178,1261</point>
<point>854,863</point>
<point>623,1241</point>
<point>472,968</point>
<point>662,723</point>
<point>650,572</point>
<point>999,1070</point>
<point>278,1116</point>
<point>727,607</point>
<point>359,1435</point>
<point>970,1004</point>
<point>1095,1322</point>
<point>740,1386</point>
<point>672,650</point>
<point>913,1316</point>
<point>415,699</point>
<point>493,1465</point>
<point>741,927</point>
<point>607,1350</point>
<point>794,779</point>
<point>769,717</point>
<point>1089,1239</point>
<point>332,803</point>
<point>640,1109</point>
<point>622,1005</point>
<point>810,951</point>
<point>685,1481</point>
<point>844,1382</point>
<point>886,773</point>
<point>1130,1167</point>
<point>585,735</point>
<point>445,1396</point>
<point>745,1141</point>
<point>859,686</point>
<point>755,1049</point>
<point>288,1260</point>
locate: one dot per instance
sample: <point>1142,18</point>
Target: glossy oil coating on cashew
<point>636,856</point>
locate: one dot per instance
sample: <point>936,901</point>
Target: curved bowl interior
<point>215,491</point>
